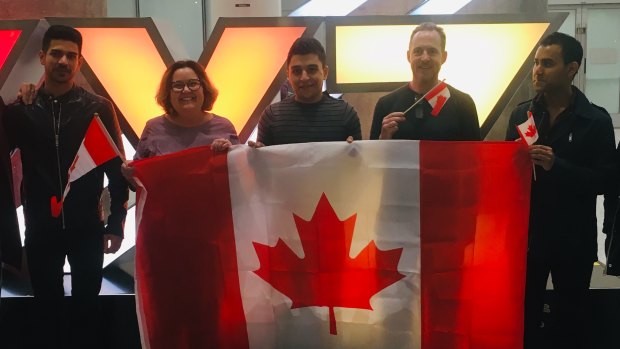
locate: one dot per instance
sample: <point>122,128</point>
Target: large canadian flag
<point>375,244</point>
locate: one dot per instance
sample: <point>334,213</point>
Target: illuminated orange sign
<point>124,60</point>
<point>244,65</point>
<point>245,57</point>
<point>482,58</point>
<point>488,56</point>
<point>129,67</point>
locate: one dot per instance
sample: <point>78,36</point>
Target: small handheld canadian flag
<point>97,148</point>
<point>528,131</point>
<point>437,97</point>
<point>529,134</point>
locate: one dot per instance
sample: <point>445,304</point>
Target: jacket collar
<point>579,105</point>
<point>68,96</point>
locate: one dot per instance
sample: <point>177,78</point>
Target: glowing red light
<point>8,38</point>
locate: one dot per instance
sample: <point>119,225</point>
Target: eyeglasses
<point>179,86</point>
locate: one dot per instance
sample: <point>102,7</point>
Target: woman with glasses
<point>187,96</point>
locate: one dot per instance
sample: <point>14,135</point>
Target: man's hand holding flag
<point>529,134</point>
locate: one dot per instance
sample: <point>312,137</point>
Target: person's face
<point>550,73</point>
<point>186,92</point>
<point>61,61</point>
<point>426,56</point>
<point>306,74</point>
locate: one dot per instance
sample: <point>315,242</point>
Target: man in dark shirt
<point>309,115</point>
<point>456,120</point>
<point>575,161</point>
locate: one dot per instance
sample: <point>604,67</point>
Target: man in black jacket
<point>49,133</point>
<point>575,162</point>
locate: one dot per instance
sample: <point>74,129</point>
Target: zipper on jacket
<point>56,126</point>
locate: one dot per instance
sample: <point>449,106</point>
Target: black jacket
<point>563,201</point>
<point>10,243</point>
<point>33,129</point>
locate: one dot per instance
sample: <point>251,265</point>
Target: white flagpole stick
<point>413,105</point>
<point>419,100</point>
<point>534,169</point>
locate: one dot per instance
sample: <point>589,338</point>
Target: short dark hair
<point>430,26</point>
<point>165,85</point>
<point>572,51</point>
<point>304,46</point>
<point>61,32</point>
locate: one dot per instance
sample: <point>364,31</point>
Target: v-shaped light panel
<point>8,38</point>
<point>14,36</point>
<point>482,59</point>
<point>244,65</point>
<point>488,55</point>
<point>129,66</point>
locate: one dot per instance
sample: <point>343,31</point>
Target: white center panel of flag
<point>268,188</point>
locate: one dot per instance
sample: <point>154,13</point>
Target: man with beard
<point>49,133</point>
<point>456,120</point>
<point>575,157</point>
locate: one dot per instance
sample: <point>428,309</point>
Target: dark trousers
<point>55,326</point>
<point>569,307</point>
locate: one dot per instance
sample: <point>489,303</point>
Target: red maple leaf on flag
<point>326,276</point>
<point>531,131</point>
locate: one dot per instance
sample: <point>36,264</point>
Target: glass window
<point>568,27</point>
<point>180,25</point>
<point>121,8</point>
<point>603,49</point>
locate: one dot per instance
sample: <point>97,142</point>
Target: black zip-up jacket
<point>33,129</point>
<point>563,201</point>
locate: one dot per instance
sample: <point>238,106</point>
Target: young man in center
<point>310,115</point>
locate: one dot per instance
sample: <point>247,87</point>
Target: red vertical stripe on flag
<point>436,90</point>
<point>474,241</point>
<point>441,100</point>
<point>188,288</point>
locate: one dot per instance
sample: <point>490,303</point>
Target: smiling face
<point>426,56</point>
<point>184,100</point>
<point>61,61</point>
<point>306,74</point>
